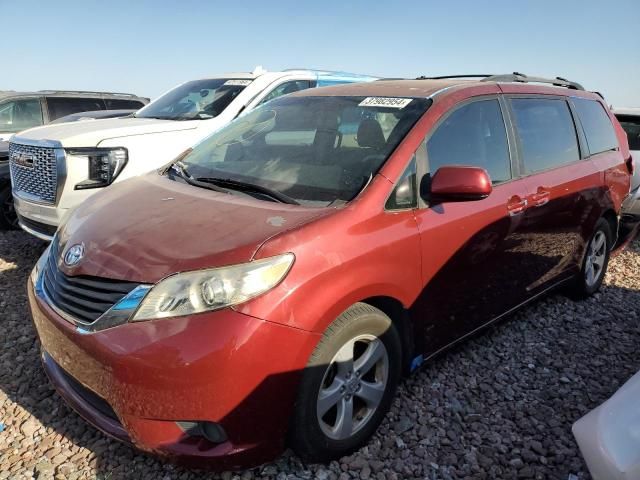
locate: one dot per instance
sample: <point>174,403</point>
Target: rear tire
<point>347,386</point>
<point>595,262</point>
<point>8,217</point>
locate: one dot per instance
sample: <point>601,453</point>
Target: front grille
<point>34,171</point>
<point>83,298</point>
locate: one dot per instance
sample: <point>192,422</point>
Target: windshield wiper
<point>154,117</point>
<point>182,173</point>
<point>249,187</point>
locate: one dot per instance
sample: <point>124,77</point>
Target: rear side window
<point>118,104</point>
<point>631,125</point>
<point>597,126</point>
<point>546,132</point>
<point>472,135</point>
<point>61,107</point>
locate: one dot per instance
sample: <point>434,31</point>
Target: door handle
<point>516,205</point>
<point>541,197</point>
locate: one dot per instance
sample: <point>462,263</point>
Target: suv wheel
<point>348,385</point>
<point>595,262</point>
<point>8,217</point>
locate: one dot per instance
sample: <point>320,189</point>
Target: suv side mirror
<point>459,184</point>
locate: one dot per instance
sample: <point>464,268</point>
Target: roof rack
<point>445,77</point>
<point>514,77</point>
<point>327,72</point>
<point>89,92</point>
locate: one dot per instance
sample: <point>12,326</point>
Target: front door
<point>473,264</point>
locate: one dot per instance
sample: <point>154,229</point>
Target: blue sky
<point>146,47</point>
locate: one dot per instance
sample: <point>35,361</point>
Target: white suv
<point>55,167</point>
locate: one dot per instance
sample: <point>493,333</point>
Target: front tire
<point>595,262</point>
<point>347,386</point>
<point>8,217</point>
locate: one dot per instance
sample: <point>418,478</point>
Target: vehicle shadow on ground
<point>499,405</point>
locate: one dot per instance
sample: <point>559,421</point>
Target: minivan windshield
<point>195,100</point>
<point>316,151</point>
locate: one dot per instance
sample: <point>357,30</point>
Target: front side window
<point>405,193</point>
<point>597,125</point>
<point>19,115</point>
<point>61,106</point>
<point>473,135</point>
<point>195,100</point>
<point>297,146</point>
<point>546,132</point>
<point>285,89</point>
<point>631,125</point>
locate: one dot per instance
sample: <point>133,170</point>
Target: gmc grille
<point>34,171</point>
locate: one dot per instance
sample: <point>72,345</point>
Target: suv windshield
<point>315,150</point>
<point>196,100</point>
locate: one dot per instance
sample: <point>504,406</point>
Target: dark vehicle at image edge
<point>271,286</point>
<point>22,110</point>
<point>8,218</point>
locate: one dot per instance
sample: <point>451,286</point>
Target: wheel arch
<point>399,315</point>
<point>610,216</point>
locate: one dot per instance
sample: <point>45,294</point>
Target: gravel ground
<point>497,407</point>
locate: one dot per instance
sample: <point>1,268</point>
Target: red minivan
<point>271,286</point>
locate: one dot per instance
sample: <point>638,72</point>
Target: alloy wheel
<point>596,256</point>
<point>353,386</point>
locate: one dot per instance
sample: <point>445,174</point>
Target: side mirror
<point>459,184</point>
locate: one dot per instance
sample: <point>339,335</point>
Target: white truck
<point>55,167</point>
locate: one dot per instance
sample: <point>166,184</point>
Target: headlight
<point>206,290</point>
<point>104,165</point>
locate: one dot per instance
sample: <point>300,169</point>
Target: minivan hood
<point>90,133</point>
<point>146,228</point>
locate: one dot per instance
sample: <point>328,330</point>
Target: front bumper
<point>631,205</point>
<point>36,219</point>
<point>135,381</point>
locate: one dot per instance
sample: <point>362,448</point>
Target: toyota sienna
<point>270,286</point>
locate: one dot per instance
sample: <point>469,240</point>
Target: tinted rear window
<point>546,132</point>
<point>631,125</point>
<point>118,104</point>
<point>597,125</point>
<point>61,107</point>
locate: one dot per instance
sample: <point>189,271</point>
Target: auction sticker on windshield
<point>389,102</point>
<point>237,82</point>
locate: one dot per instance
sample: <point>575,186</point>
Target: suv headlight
<point>104,165</point>
<point>212,289</point>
